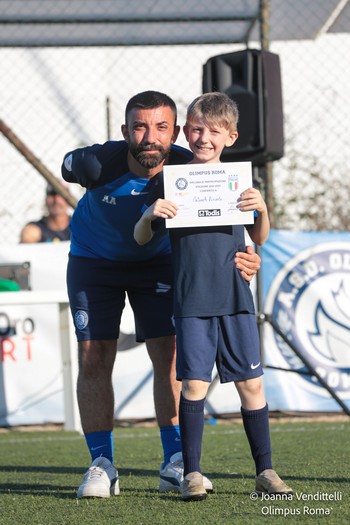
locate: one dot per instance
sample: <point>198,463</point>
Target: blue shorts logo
<point>310,300</point>
<point>81,319</point>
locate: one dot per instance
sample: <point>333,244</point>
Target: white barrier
<point>38,351</point>
<point>67,343</point>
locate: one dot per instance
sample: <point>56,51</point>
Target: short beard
<point>146,160</point>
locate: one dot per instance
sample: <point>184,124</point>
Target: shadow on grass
<point>124,472</point>
<point>38,489</point>
<point>49,469</point>
<point>69,491</point>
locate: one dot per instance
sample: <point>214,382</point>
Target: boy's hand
<point>248,263</point>
<point>161,208</point>
<point>251,199</point>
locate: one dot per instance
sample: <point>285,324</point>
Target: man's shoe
<point>172,474</point>
<point>269,482</point>
<point>100,481</point>
<point>192,487</point>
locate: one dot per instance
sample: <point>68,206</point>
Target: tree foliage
<point>310,195</point>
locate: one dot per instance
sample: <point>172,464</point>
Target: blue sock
<point>171,441</point>
<point>256,426</point>
<point>100,444</point>
<point>191,416</point>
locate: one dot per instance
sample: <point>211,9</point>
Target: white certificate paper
<point>206,194</point>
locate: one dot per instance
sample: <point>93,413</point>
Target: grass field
<point>40,472</point>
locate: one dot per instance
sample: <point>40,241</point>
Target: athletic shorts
<point>230,341</point>
<point>97,289</point>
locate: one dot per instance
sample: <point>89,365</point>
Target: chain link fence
<point>58,98</point>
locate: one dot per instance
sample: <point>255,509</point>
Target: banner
<point>306,291</point>
<point>31,373</point>
<point>31,387</point>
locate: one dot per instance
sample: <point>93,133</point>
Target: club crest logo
<point>81,319</point>
<point>309,299</point>
<point>181,183</point>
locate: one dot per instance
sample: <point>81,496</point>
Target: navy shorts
<point>97,289</point>
<point>229,341</point>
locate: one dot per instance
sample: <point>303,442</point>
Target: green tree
<point>309,195</point>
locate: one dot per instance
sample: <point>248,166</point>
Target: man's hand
<point>248,263</point>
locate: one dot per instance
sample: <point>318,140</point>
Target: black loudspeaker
<point>252,78</point>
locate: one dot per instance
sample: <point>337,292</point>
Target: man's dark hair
<point>150,100</point>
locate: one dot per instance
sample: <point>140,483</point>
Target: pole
<point>37,164</point>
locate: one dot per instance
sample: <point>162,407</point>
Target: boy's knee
<point>252,387</point>
<point>194,389</point>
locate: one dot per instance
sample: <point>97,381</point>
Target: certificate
<point>206,194</point>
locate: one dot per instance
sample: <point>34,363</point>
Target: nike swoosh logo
<point>253,367</point>
<point>96,448</point>
<point>134,192</point>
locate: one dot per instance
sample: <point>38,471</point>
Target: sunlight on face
<point>207,140</point>
<point>150,134</point>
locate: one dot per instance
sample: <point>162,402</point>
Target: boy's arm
<point>251,199</point>
<point>161,208</point>
<point>260,231</point>
<point>143,231</point>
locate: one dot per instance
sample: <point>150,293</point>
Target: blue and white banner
<point>306,291</point>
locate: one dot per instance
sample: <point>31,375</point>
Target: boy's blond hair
<point>215,108</point>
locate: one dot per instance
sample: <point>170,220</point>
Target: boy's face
<point>208,140</point>
<point>150,134</point>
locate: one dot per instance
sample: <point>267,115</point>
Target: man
<point>105,263</point>
<point>53,227</point>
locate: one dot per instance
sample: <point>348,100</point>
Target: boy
<point>214,310</point>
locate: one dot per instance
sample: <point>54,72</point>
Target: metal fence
<point>58,98</point>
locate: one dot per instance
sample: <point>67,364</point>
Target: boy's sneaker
<point>100,481</point>
<point>269,482</point>
<point>192,487</point>
<point>172,474</point>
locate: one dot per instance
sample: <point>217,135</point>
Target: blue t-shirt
<point>103,222</point>
<point>206,280</point>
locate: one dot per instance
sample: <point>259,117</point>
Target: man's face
<point>150,134</point>
<point>56,204</point>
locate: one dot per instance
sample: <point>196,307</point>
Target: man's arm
<point>248,263</point>
<point>95,165</point>
<point>31,233</point>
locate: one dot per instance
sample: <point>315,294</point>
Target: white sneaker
<point>100,481</point>
<point>171,476</point>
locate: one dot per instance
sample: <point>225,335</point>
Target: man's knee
<point>161,349</point>
<point>96,357</point>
